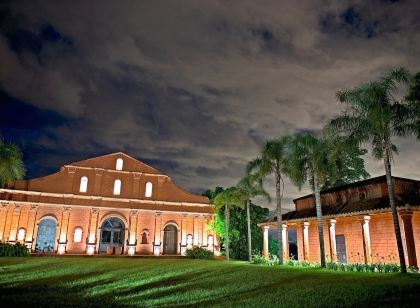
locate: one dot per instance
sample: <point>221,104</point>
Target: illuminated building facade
<point>112,204</point>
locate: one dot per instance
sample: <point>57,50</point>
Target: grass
<point>87,281</point>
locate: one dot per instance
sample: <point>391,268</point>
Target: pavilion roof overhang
<point>406,207</point>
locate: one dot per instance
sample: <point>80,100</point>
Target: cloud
<point>195,88</point>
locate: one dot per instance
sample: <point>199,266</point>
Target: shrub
<point>16,250</point>
<point>199,253</point>
<point>361,267</point>
<point>270,261</point>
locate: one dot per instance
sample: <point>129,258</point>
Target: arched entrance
<point>112,236</point>
<point>45,239</point>
<point>170,240</point>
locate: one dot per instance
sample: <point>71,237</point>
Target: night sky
<point>192,88</point>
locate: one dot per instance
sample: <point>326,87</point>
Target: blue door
<point>45,239</point>
<point>112,236</point>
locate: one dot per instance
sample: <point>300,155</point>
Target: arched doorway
<point>112,236</point>
<point>45,239</point>
<point>170,240</point>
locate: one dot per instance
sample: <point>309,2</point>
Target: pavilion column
<point>93,227</point>
<point>333,240</point>
<point>15,223</point>
<point>30,226</point>
<point>406,216</point>
<point>285,240</point>
<point>64,228</point>
<point>196,230</point>
<point>157,243</point>
<point>306,240</point>
<point>132,239</point>
<point>3,216</point>
<point>265,241</point>
<point>183,247</point>
<point>366,239</point>
<point>200,230</point>
<point>205,231</point>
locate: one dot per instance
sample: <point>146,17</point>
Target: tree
<point>249,187</point>
<point>11,164</point>
<point>376,116</point>
<point>324,162</point>
<point>228,198</point>
<point>238,226</point>
<point>273,160</point>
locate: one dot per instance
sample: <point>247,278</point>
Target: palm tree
<point>227,198</point>
<point>11,164</point>
<point>324,162</point>
<point>376,116</point>
<point>273,159</point>
<point>249,187</point>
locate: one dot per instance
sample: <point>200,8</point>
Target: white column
<point>285,242</point>
<point>265,243</point>
<point>306,239</point>
<point>366,237</point>
<point>332,240</point>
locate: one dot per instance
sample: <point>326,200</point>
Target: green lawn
<point>75,281</point>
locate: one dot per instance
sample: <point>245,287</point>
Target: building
<point>358,225</point>
<point>112,204</point>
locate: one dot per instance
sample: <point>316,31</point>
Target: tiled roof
<point>370,181</point>
<point>354,207</point>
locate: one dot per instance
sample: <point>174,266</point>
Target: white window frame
<point>21,234</point>
<point>77,235</point>
<point>149,190</point>
<point>119,164</point>
<point>83,184</point>
<point>117,187</point>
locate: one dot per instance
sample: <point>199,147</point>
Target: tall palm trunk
<point>227,219</point>
<point>248,218</point>
<point>279,217</point>
<point>394,214</point>
<point>319,221</point>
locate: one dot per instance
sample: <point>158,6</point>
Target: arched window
<point>83,184</point>
<point>119,164</point>
<point>21,234</point>
<point>189,239</point>
<point>144,237</point>
<point>117,187</point>
<point>149,190</point>
<point>77,237</point>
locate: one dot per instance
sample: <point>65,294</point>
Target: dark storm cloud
<point>193,88</point>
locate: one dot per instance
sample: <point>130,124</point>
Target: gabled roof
<point>370,181</point>
<point>108,162</point>
<point>362,206</point>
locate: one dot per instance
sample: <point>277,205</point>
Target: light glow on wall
<point>90,249</point>
<point>61,249</point>
<point>156,250</point>
<point>131,250</point>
